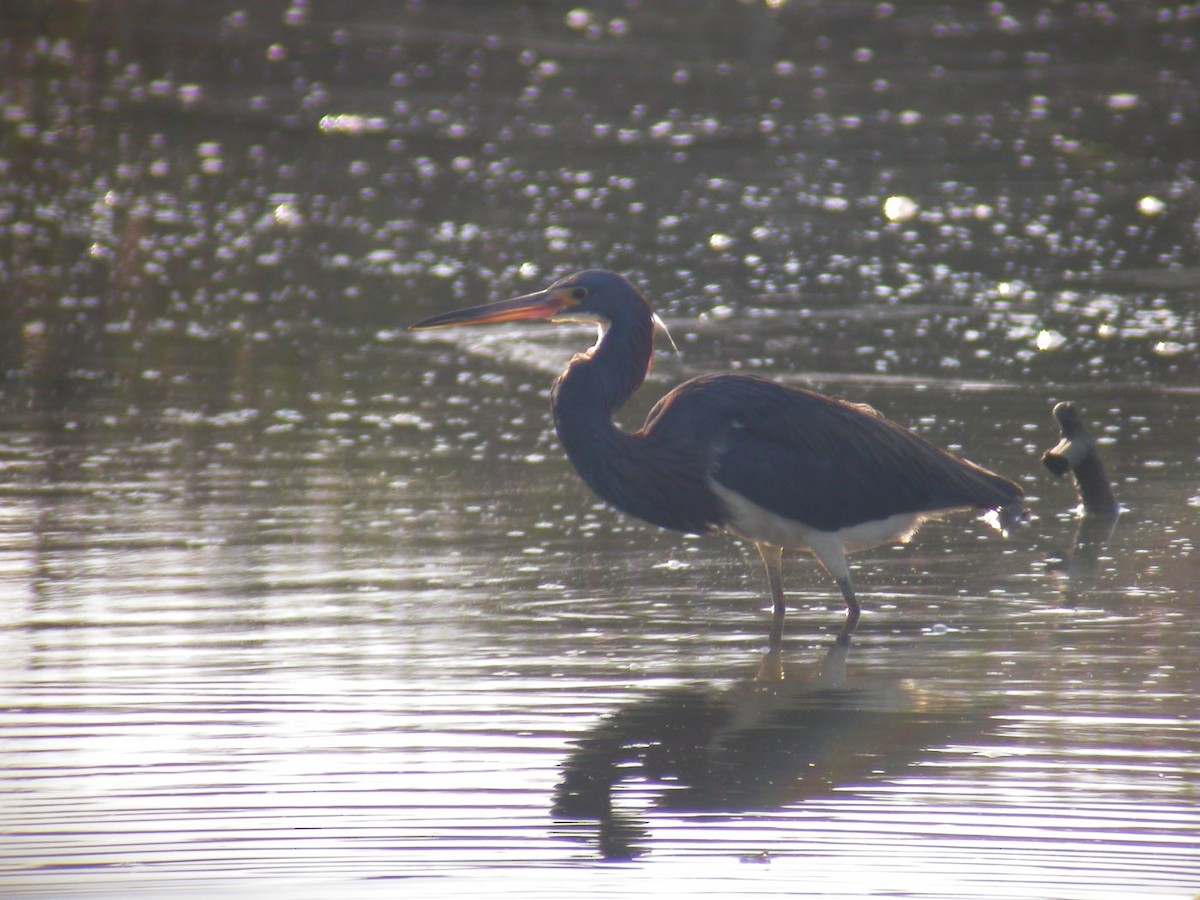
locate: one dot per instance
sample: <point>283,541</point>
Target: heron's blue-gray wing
<point>820,461</point>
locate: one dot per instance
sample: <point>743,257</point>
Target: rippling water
<point>294,602</point>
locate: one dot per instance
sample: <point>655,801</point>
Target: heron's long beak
<point>540,305</point>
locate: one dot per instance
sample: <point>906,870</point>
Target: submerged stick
<point>1078,453</point>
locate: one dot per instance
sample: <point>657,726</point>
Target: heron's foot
<point>770,670</point>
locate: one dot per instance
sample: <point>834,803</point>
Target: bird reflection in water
<point>747,746</point>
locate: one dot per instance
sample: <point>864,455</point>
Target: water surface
<point>294,601</point>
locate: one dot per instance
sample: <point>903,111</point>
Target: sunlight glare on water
<point>295,602</point>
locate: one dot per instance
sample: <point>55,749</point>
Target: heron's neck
<point>598,383</point>
<point>657,481</point>
<point>595,385</point>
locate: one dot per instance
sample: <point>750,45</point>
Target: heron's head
<point>594,295</point>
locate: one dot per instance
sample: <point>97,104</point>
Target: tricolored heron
<point>784,467</point>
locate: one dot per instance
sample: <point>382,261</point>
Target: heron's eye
<point>578,294</point>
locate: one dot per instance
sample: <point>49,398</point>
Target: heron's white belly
<point>751,521</point>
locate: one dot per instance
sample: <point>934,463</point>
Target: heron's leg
<point>771,668</point>
<point>772,558</point>
<point>831,552</point>
<point>852,610</point>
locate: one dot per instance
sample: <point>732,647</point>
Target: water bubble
<point>899,208</point>
<point>1049,340</point>
<point>578,19</point>
<point>287,215</point>
<point>351,123</point>
<point>296,14</point>
<point>1150,206</point>
<point>380,257</point>
<point>189,94</point>
<point>1009,25</point>
<point>1169,348</point>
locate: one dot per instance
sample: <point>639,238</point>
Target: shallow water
<point>294,601</point>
